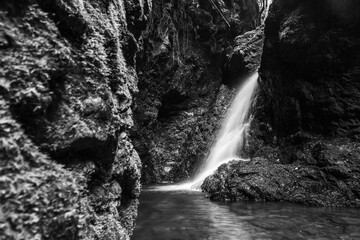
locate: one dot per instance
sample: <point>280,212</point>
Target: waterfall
<point>230,139</point>
<point>232,135</point>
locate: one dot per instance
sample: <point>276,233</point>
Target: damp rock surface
<point>183,91</point>
<point>68,168</point>
<point>245,56</point>
<point>329,177</point>
<point>304,139</point>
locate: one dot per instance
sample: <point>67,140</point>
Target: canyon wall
<point>183,86</point>
<point>305,137</point>
<point>73,72</point>
<point>67,75</point>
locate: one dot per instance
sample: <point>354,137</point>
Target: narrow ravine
<point>177,119</point>
<point>230,139</point>
<point>302,177</point>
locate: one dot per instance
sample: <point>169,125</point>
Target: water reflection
<point>189,215</point>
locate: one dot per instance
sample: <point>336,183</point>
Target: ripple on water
<point>170,215</point>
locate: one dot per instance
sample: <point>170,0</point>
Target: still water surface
<point>188,215</point>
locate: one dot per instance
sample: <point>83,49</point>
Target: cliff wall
<point>183,88</point>
<point>305,137</point>
<point>67,76</point>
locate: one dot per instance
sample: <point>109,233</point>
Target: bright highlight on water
<point>230,139</point>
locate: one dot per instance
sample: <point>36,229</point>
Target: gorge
<point>107,103</point>
<point>230,139</point>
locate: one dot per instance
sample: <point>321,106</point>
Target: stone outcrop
<point>329,177</point>
<point>73,72</point>
<point>68,168</point>
<point>182,97</point>
<point>245,56</point>
<point>304,140</point>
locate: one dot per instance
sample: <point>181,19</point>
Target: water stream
<point>230,138</point>
<point>188,215</point>
<point>178,212</point>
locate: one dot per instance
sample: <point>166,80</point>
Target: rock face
<point>305,136</point>
<point>331,179</point>
<point>181,96</point>
<point>68,169</point>
<point>245,56</point>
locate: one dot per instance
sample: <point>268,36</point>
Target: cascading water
<point>232,135</point>
<point>230,139</point>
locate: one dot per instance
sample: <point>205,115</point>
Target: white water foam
<point>230,139</point>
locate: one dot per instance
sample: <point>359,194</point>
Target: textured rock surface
<point>305,136</point>
<point>67,75</point>
<point>181,98</point>
<point>245,57</point>
<point>329,177</point>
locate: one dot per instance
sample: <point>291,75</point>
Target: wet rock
<point>304,136</point>
<point>66,84</point>
<point>181,97</point>
<point>263,180</point>
<point>307,72</point>
<point>38,196</point>
<point>245,56</point>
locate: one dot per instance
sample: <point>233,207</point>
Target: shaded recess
<point>304,139</point>
<point>181,99</point>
